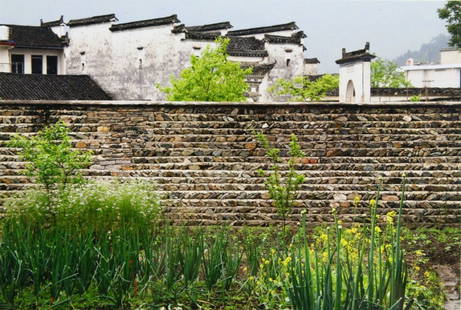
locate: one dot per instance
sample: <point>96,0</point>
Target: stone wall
<point>203,155</point>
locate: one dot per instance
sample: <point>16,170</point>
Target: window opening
<point>51,64</point>
<point>17,64</point>
<point>37,64</point>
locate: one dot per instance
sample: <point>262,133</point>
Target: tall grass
<point>107,240</point>
<point>373,279</point>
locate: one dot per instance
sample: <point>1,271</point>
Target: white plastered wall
<point>359,73</point>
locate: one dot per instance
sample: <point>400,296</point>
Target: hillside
<point>427,53</point>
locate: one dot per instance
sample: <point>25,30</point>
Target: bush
<point>50,159</point>
<point>98,206</point>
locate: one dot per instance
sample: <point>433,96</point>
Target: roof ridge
<point>265,29</point>
<point>210,27</point>
<point>171,19</point>
<point>52,23</point>
<point>92,20</point>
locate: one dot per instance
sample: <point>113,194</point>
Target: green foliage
<point>282,189</point>
<point>415,99</point>
<point>101,206</point>
<point>211,77</point>
<point>451,13</point>
<point>50,157</point>
<point>384,73</point>
<point>345,278</point>
<point>302,88</point>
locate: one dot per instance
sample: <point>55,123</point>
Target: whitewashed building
<point>447,74</point>
<point>129,59</point>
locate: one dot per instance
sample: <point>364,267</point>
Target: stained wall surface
<point>205,157</point>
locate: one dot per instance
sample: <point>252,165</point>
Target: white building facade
<point>447,74</point>
<point>128,60</point>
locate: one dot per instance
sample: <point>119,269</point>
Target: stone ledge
<point>138,103</point>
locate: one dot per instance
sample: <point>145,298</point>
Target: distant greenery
<point>451,13</point>
<point>211,77</point>
<point>384,73</point>
<point>427,53</point>
<point>302,88</point>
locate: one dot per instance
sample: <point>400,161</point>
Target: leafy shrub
<point>303,88</point>
<point>51,161</point>
<point>282,189</point>
<point>98,206</point>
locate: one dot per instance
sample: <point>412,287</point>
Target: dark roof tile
<point>268,29</point>
<point>53,23</point>
<point>202,36</point>
<point>210,27</point>
<point>49,87</point>
<point>34,37</point>
<point>356,55</point>
<point>311,60</point>
<point>92,20</point>
<point>258,69</point>
<point>246,46</point>
<point>146,23</point>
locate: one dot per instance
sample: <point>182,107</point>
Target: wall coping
<point>230,104</point>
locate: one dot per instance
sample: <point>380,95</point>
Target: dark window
<point>51,64</point>
<point>37,64</point>
<point>288,61</point>
<point>17,64</point>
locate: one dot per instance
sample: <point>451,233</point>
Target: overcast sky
<point>392,27</point>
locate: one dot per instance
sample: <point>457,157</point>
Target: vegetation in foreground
<point>103,247</point>
<point>79,245</point>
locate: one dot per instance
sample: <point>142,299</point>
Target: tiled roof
<point>361,54</point>
<point>268,29</point>
<point>281,39</point>
<point>91,20</point>
<point>49,87</point>
<point>34,37</point>
<point>295,38</point>
<point>53,23</point>
<point>202,36</point>
<point>258,69</point>
<point>146,23</point>
<point>246,46</point>
<point>311,60</point>
<point>210,27</point>
<point>238,46</point>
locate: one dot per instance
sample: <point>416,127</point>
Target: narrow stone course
<point>204,158</point>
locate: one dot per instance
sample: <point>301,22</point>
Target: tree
<point>302,88</point>
<point>451,12</point>
<point>283,187</point>
<point>384,73</point>
<point>211,77</point>
<point>50,157</point>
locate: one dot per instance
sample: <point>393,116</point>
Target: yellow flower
<point>377,229</point>
<point>390,217</point>
<point>356,200</point>
<point>286,261</point>
<point>372,203</point>
<point>419,253</point>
